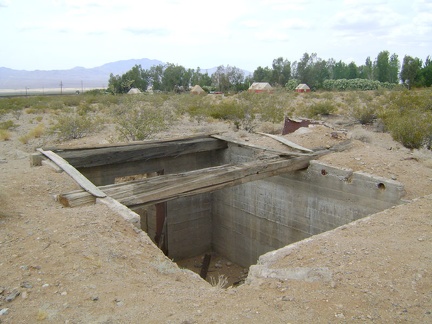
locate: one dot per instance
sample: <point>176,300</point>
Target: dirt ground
<point>87,265</point>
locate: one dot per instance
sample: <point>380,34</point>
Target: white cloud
<point>4,3</point>
<point>285,5</point>
<point>294,23</point>
<point>271,35</point>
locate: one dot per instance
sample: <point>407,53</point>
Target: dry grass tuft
<point>5,135</point>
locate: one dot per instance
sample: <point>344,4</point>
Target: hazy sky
<point>62,34</point>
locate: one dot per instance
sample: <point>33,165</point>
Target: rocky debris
<point>19,155</point>
<point>4,311</point>
<point>26,284</point>
<point>14,294</point>
<point>288,298</point>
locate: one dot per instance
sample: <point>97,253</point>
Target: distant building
<point>197,90</point>
<point>302,87</point>
<point>134,91</point>
<point>258,87</point>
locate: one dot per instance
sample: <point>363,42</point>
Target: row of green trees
<point>314,71</point>
<point>310,69</point>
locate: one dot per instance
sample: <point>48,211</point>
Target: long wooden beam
<point>86,184</point>
<point>167,187</point>
<point>88,157</point>
<point>258,147</point>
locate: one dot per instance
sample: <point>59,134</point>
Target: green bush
<point>408,118</point>
<point>410,130</point>
<point>73,126</point>
<point>138,121</point>
<point>71,100</point>
<point>240,113</point>
<point>364,114</point>
<point>321,108</point>
<point>9,124</point>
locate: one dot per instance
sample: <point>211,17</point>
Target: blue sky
<point>62,34</point>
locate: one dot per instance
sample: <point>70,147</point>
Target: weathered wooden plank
<point>257,147</point>
<point>86,184</point>
<point>85,158</point>
<point>64,148</point>
<point>283,140</point>
<point>127,214</point>
<point>163,188</point>
<point>76,198</point>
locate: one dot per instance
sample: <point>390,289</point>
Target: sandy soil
<point>87,265</point>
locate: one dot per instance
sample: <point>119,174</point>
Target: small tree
<point>410,73</point>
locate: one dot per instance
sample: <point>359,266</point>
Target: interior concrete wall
<point>261,216</point>
<point>189,226</point>
<point>106,174</point>
<point>248,220</point>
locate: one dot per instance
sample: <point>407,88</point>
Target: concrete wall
<point>248,220</point>
<point>261,216</point>
<point>104,175</point>
<point>189,226</point>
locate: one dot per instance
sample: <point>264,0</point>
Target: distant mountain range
<point>77,77</point>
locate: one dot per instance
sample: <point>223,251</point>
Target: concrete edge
<point>263,270</point>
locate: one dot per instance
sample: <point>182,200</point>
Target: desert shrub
<point>365,114</point>
<point>17,113</point>
<point>71,100</point>
<point>197,111</point>
<point>271,108</point>
<point>365,96</point>
<point>24,138</point>
<point>272,113</point>
<point>5,135</point>
<point>138,120</point>
<point>72,126</point>
<point>194,106</point>
<point>239,112</point>
<point>327,95</point>
<point>321,108</point>
<point>108,100</point>
<point>408,118</point>
<point>410,130</point>
<point>30,111</point>
<point>86,108</point>
<point>8,124</point>
<point>38,131</point>
<point>56,104</point>
<point>95,92</point>
<point>350,97</point>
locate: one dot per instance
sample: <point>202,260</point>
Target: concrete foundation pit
<point>237,215</point>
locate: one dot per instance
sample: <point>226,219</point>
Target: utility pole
<point>26,90</point>
<point>61,87</point>
<point>82,87</point>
